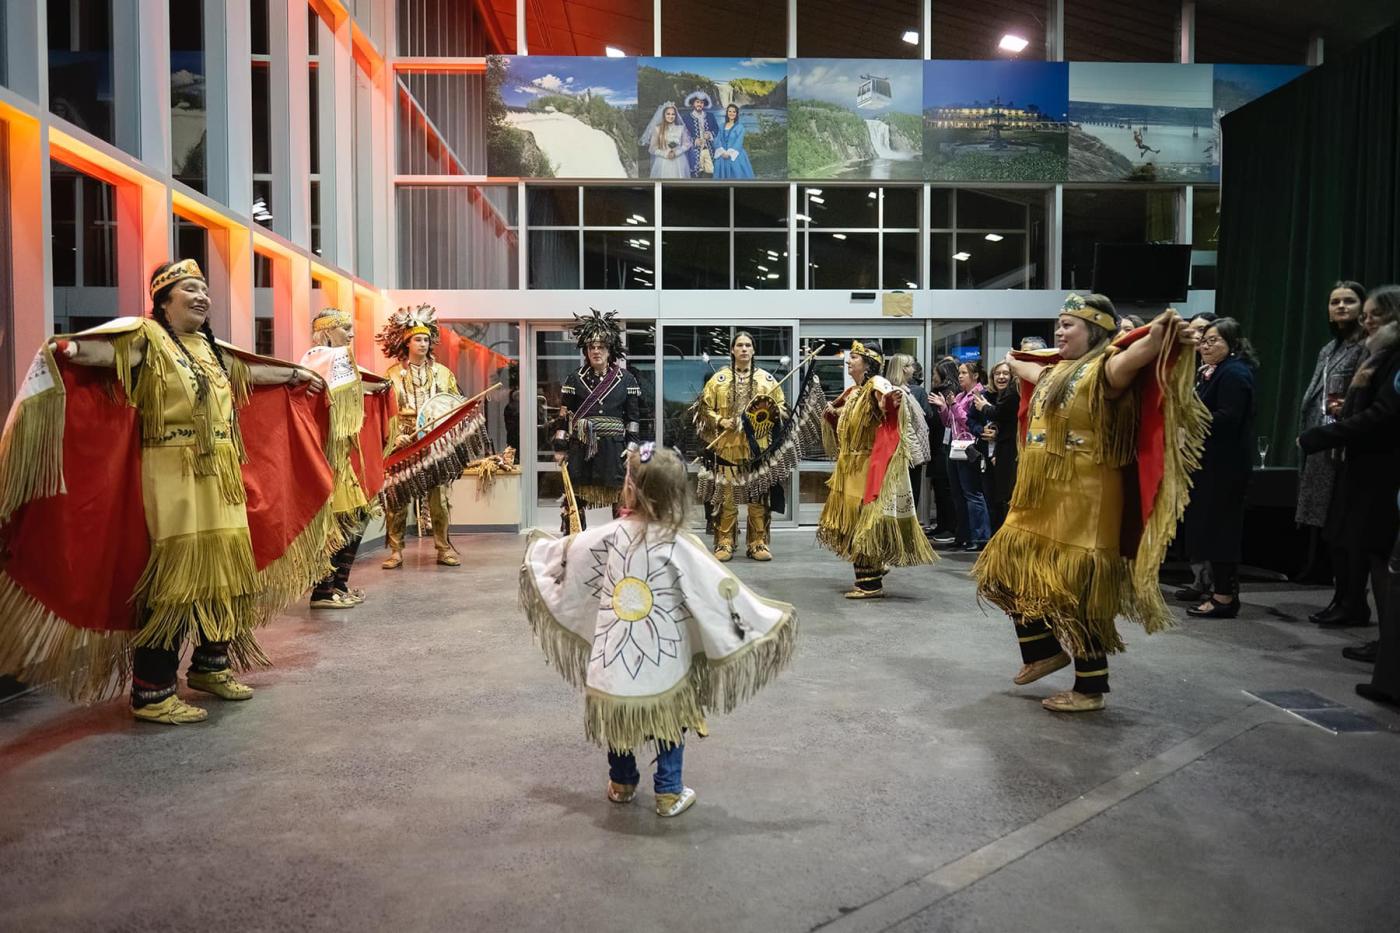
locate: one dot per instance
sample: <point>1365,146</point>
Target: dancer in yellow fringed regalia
<point>1109,432</point>
<point>869,518</point>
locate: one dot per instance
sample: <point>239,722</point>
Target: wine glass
<point>1262,445</point>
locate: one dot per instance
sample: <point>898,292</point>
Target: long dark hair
<point>735,339</point>
<point>1387,299</point>
<point>158,301</point>
<point>946,371</point>
<point>1232,333</point>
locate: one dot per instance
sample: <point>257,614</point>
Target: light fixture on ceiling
<point>838,236</point>
<point>994,238</point>
<point>912,284</point>
<point>911,36</point>
<point>1013,43</point>
<point>802,217</point>
<point>962,257</point>
<point>764,268</point>
<point>814,191</point>
<point>874,195</point>
<point>774,275</point>
<point>816,200</point>
<point>615,52</point>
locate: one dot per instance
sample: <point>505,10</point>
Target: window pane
<point>438,120</point>
<point>481,353</point>
<point>901,260</point>
<point>875,29</point>
<point>612,260</point>
<point>191,241</point>
<point>63,201</point>
<point>686,371</point>
<point>1112,216</point>
<point>962,340</point>
<point>458,237</point>
<point>724,28</point>
<point>450,28</point>
<point>257,10</point>
<point>761,207</point>
<point>842,260</point>
<point>1001,263</point>
<point>1205,236</point>
<point>994,210</point>
<point>552,207</point>
<point>80,64</point>
<point>940,260</point>
<point>902,208</point>
<point>694,206</point>
<point>187,114</point>
<point>554,259</point>
<point>965,31</point>
<point>760,260</point>
<point>695,260</point>
<point>1113,31</point>
<point>841,208</point>
<point>940,208</point>
<point>100,234</point>
<point>614,207</point>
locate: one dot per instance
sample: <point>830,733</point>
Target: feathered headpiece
<point>404,324</point>
<point>599,328</point>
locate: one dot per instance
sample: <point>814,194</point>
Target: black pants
<point>1353,565</point>
<point>916,483</point>
<point>339,578</point>
<point>153,670</point>
<point>1038,643</point>
<point>1387,673</point>
<point>944,511</point>
<point>1225,578</point>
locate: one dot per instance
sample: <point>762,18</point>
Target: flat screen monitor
<point>1142,273</point>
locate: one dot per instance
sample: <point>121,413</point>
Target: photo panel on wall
<point>1147,122</point>
<point>720,118</point>
<point>561,117</point>
<point>855,118</point>
<point>1001,121</point>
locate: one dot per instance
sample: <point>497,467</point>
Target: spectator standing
<point>1001,407</point>
<point>965,461</point>
<point>948,524</point>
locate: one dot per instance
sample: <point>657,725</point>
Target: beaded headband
<point>184,269</point>
<point>331,318</point>
<point>1075,306</point>
<point>860,349</point>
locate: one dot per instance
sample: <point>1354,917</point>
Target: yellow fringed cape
<point>652,627</point>
<point>168,530</point>
<point>1101,484</point>
<point>345,390</point>
<point>862,521</point>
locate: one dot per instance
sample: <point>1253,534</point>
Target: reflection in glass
<point>994,264</point>
<point>761,207</point>
<point>554,259</point>
<point>617,207</point>
<point>703,31</point>
<point>695,206</point>
<point>840,208</point>
<point>760,260</point>
<point>614,259</point>
<point>940,260</point>
<point>80,65</point>
<point>551,206</point>
<point>901,261</point>
<point>882,30</point>
<point>187,108</point>
<point>840,260</point>
<point>481,354</point>
<point>695,259</point>
<point>902,207</point>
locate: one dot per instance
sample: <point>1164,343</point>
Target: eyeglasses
<point>1211,341</point>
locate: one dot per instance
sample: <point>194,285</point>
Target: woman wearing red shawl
<point>1107,444</point>
<point>124,475</point>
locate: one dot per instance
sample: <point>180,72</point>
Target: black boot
<point>1366,653</point>
<point>1318,616</point>
<point>1341,617</point>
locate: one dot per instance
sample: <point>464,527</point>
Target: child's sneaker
<point>674,804</point>
<point>621,793</point>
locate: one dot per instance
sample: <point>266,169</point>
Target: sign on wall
<point>863,119</point>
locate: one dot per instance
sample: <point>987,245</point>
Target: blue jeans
<point>622,768</point>
<point>967,477</point>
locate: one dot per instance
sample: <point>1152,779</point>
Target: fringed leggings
<point>1038,643</point>
<point>153,670</point>
<point>339,578</point>
<point>870,575</point>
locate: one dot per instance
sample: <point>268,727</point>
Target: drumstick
<point>805,360</point>
<point>443,417</point>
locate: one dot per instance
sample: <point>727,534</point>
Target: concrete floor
<point>413,765</point>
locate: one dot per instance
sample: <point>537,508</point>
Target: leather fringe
<point>31,449</point>
<point>39,648</point>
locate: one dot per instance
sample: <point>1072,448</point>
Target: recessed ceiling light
<point>1012,43</point>
<point>874,195</point>
<point>838,236</point>
<point>911,37</point>
<point>773,275</point>
<point>962,257</point>
<point>814,191</point>
<point>764,268</point>
<point>994,238</point>
<point>802,217</point>
<point>615,52</point>
<point>817,200</point>
<point>912,284</point>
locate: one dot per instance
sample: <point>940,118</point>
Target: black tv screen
<point>1142,273</point>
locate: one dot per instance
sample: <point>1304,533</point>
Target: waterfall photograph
<point>996,121</point>
<point>730,118</point>
<point>855,118</point>
<point>558,117</point>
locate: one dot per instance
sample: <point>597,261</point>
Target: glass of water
<point>1262,444</point>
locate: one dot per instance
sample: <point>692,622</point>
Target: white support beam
<point>1187,34</point>
<point>1055,30</point>
<point>290,112</point>
<point>26,43</point>
<point>228,82</point>
<point>337,97</point>
<point>141,80</point>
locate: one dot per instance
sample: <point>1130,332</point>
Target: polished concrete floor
<point>414,765</point>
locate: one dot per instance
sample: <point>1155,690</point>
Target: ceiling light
<point>773,275</point>
<point>994,238</point>
<point>640,218</point>
<point>615,52</point>
<point>803,217</point>
<point>632,220</point>
<point>764,268</point>
<point>874,195</point>
<point>838,236</point>
<point>817,200</point>
<point>814,191</point>
<point>962,257</point>
<point>911,37</point>
<point>912,284</point>
<point>1012,43</point>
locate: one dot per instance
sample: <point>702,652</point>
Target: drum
<point>762,415</point>
<point>436,410</point>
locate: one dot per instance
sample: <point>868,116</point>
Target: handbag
<point>958,450</point>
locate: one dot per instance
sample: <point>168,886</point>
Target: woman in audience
<point>1001,408</point>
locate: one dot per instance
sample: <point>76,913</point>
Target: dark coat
<point>1363,511</point>
<point>1004,416</point>
<point>1215,517</point>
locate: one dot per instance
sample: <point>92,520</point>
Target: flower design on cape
<point>641,610</point>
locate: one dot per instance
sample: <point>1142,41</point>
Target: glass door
<point>693,352</point>
<point>906,337</point>
<point>555,354</point>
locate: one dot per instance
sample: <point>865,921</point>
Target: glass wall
<point>596,237</point>
<point>874,29</point>
<point>1113,31</point>
<point>80,65</point>
<point>860,236</point>
<point>692,353</point>
<point>483,355</point>
<point>724,238</point>
<point>1205,236</point>
<point>966,31</point>
<point>987,238</point>
<point>1112,215</point>
<point>188,120</point>
<point>557,27</point>
<point>261,122</point>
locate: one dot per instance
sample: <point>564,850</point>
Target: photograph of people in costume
<point>712,118</point>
